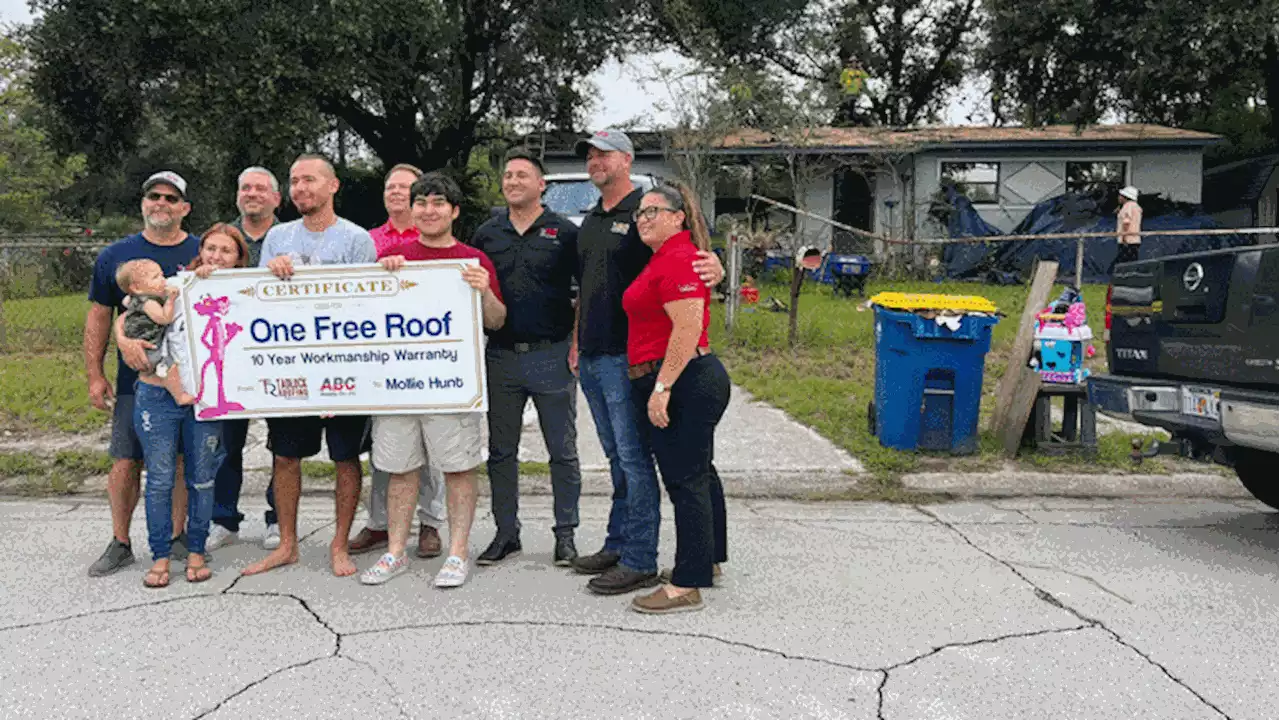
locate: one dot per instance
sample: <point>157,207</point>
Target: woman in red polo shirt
<point>680,389</point>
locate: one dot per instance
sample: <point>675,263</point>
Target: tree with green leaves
<point>1206,64</point>
<point>416,80</point>
<point>31,173</point>
<point>893,63</point>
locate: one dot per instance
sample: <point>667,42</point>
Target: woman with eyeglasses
<point>680,389</point>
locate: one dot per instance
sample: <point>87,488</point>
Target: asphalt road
<point>1014,608</point>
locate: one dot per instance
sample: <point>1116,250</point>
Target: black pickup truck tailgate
<point>1209,317</point>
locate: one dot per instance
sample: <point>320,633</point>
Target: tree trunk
<point>1273,83</point>
<point>793,312</point>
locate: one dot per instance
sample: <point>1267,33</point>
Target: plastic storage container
<point>929,380</point>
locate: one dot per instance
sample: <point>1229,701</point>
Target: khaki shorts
<point>403,443</point>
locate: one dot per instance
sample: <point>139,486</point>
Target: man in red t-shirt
<point>403,444</point>
<point>396,231</point>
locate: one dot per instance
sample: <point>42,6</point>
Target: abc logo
<point>338,385</point>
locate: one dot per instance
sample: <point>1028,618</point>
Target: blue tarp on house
<point>1070,213</point>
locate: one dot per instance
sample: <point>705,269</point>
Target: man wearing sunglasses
<point>164,205</point>
<point>610,256</point>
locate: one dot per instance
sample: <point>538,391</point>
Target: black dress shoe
<point>596,564</point>
<point>619,580</point>
<point>500,549</point>
<point>566,551</point>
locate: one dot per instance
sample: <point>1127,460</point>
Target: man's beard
<point>154,224</point>
<point>317,207</point>
<point>261,214</point>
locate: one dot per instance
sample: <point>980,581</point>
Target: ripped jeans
<point>166,430</point>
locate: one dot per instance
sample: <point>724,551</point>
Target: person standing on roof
<point>1129,225</point>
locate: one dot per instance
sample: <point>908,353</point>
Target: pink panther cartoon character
<point>216,337</point>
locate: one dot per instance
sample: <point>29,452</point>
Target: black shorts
<point>1127,253</point>
<point>299,437</point>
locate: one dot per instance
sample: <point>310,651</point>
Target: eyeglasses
<point>650,213</point>
<point>171,199</point>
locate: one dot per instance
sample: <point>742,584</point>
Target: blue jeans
<point>226,490</point>
<point>166,429</point>
<point>634,517</point>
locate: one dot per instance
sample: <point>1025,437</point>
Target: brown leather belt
<point>639,370</point>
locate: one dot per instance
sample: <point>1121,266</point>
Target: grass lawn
<point>42,385</point>
<point>827,381</point>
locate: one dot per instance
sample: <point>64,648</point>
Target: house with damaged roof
<point>886,180</point>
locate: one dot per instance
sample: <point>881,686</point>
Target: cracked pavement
<point>1029,607</point>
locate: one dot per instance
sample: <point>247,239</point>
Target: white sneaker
<point>453,574</point>
<point>387,567</point>
<point>219,537</point>
<point>272,540</point>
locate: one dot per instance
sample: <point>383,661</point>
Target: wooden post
<point>1080,264</point>
<point>1041,285</point>
<point>733,257</point>
<point>1024,384</point>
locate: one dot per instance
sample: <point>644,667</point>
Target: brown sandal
<point>161,579</point>
<point>198,573</point>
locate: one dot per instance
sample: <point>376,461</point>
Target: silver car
<point>573,195</point>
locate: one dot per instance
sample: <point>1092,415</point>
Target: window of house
<point>978,181</point>
<point>1086,177</point>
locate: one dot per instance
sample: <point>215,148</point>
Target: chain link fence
<point>44,280</point>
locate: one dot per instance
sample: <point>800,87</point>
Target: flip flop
<point>162,579</point>
<point>201,573</point>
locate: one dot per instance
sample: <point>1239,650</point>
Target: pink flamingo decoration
<point>216,337</point>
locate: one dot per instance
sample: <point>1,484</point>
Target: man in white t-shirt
<point>319,237</point>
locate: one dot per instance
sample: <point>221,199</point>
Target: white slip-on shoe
<point>387,567</point>
<point>453,574</point>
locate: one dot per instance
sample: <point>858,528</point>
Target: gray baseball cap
<point>168,177</point>
<point>607,140</point>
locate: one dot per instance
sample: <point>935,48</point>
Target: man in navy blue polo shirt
<point>164,205</point>
<point>535,252</point>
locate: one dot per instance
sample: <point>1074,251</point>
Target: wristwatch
<point>659,387</point>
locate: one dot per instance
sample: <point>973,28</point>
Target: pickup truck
<point>1193,350</point>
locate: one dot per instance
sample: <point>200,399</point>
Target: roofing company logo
<point>338,387</point>
<point>286,388</point>
<point>1193,277</point>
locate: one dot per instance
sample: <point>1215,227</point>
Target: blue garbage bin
<point>929,381</point>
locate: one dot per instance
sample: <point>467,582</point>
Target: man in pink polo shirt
<point>397,230</point>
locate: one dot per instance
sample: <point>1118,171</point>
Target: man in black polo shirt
<point>535,253</point>
<point>610,256</point>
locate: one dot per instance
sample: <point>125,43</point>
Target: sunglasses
<point>650,213</point>
<point>171,199</point>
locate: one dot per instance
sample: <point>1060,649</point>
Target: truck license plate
<point>1201,402</point>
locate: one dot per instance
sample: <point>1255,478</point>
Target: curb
<point>817,486</point>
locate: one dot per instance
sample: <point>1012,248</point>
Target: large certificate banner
<point>337,339</point>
